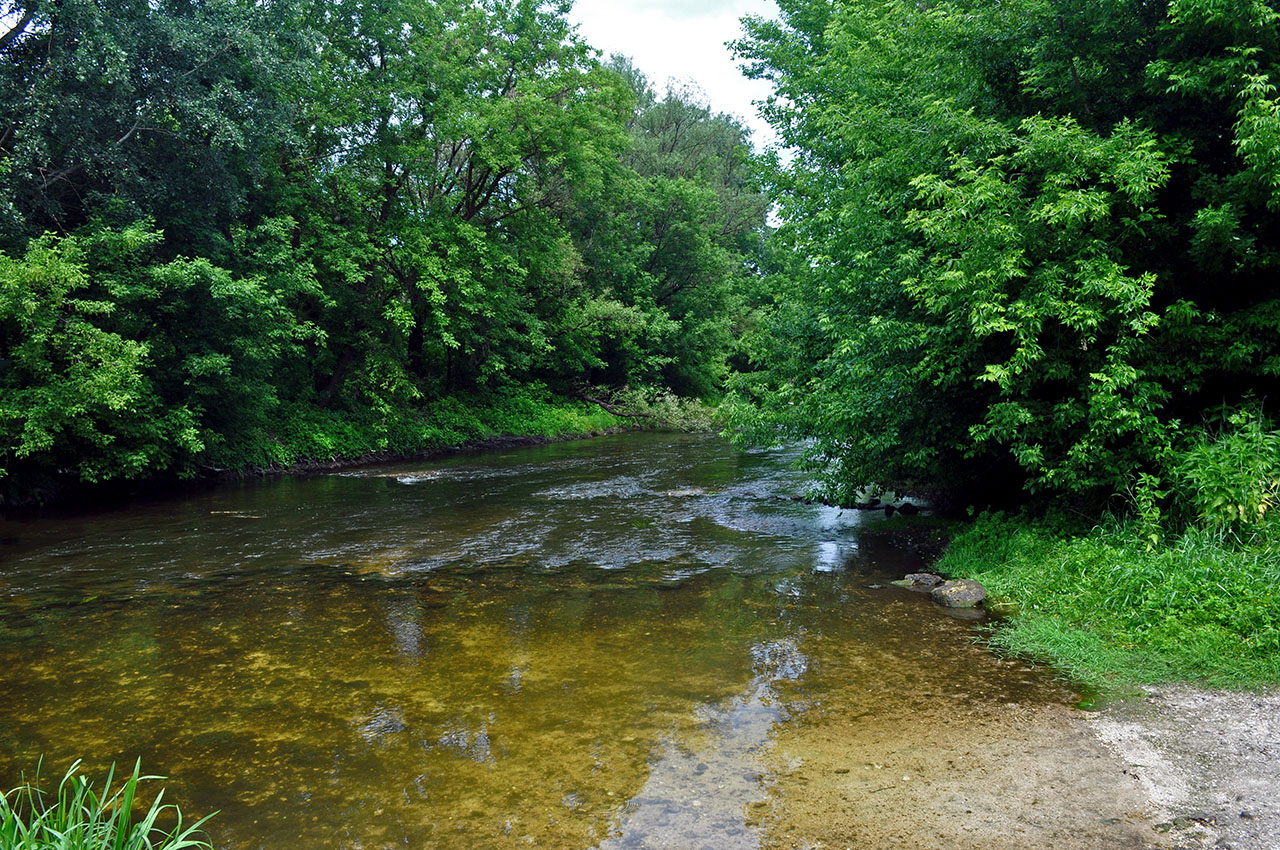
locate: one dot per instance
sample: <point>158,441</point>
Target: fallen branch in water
<point>609,408</point>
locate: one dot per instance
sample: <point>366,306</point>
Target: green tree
<point>120,364</point>
<point>73,395</point>
<point>133,109</point>
<point>671,243</point>
<point>444,142</point>
<point>1036,236</point>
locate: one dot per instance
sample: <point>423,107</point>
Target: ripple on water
<point>598,644</point>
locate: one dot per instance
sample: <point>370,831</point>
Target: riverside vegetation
<point>1025,257</point>
<point>1028,259</point>
<point>78,817</point>
<point>236,234</point>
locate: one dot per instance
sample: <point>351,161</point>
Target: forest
<point>1008,254</point>
<point>241,234</point>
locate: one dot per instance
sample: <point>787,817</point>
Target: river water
<point>608,643</point>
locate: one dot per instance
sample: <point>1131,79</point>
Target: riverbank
<point>1156,767</point>
<point>1177,769</point>
<point>1114,611</point>
<point>303,439</point>
<point>1209,761</point>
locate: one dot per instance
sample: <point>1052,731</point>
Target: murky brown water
<point>595,644</point>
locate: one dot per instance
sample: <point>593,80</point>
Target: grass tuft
<point>78,817</point>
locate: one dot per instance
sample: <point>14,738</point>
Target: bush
<point>78,818</point>
<point>1230,479</point>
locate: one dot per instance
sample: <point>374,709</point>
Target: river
<point>633,641</point>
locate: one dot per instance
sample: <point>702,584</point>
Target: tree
<point>130,110</point>
<point>670,244</point>
<point>1035,235</point>
<point>443,144</point>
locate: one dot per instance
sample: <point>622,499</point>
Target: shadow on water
<point>585,645</point>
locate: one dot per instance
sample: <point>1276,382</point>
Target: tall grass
<point>1111,611</point>
<point>1186,588</point>
<point>78,817</point>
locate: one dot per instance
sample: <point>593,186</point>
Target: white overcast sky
<point>681,40</point>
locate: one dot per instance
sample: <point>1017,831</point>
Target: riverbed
<point>634,641</point>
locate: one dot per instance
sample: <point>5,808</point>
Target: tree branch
<point>16,30</point>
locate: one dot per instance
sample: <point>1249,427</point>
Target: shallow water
<point>591,644</point>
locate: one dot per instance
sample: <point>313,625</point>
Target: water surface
<point>591,644</point>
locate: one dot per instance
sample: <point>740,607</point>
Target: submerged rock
<point>961,593</point>
<point>919,581</point>
<point>924,579</point>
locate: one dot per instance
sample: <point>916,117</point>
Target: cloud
<point>682,10</point>
<point>684,42</point>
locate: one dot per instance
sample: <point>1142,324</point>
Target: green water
<point>589,644</point>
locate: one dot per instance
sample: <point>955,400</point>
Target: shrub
<point>1231,478</point>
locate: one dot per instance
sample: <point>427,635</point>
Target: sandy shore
<point>1179,768</point>
<point>1209,761</point>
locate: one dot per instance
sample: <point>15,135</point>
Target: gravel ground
<point>1208,760</point>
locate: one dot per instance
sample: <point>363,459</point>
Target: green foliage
<point>660,409</point>
<point>1231,478</point>
<point>160,110</point>
<point>235,233</point>
<point>302,433</point>
<point>1025,248</point>
<point>1035,237</point>
<point>122,365</point>
<point>669,244</point>
<point>78,817</point>
<point>1109,610</point>
<point>73,393</point>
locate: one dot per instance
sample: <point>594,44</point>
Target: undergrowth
<point>1111,612</point>
<point>304,433</point>
<point>1186,586</point>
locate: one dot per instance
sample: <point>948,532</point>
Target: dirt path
<point>1179,769</point>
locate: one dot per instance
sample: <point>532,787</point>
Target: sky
<point>684,41</point>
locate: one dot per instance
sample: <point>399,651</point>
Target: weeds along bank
<point>83,813</point>
<point>1112,611</point>
<point>1186,588</point>
<point>303,436</point>
<point>314,436</point>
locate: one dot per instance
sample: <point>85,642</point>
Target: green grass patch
<point>1111,611</point>
<point>79,817</point>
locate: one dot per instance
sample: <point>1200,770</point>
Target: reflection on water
<point>585,645</point>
